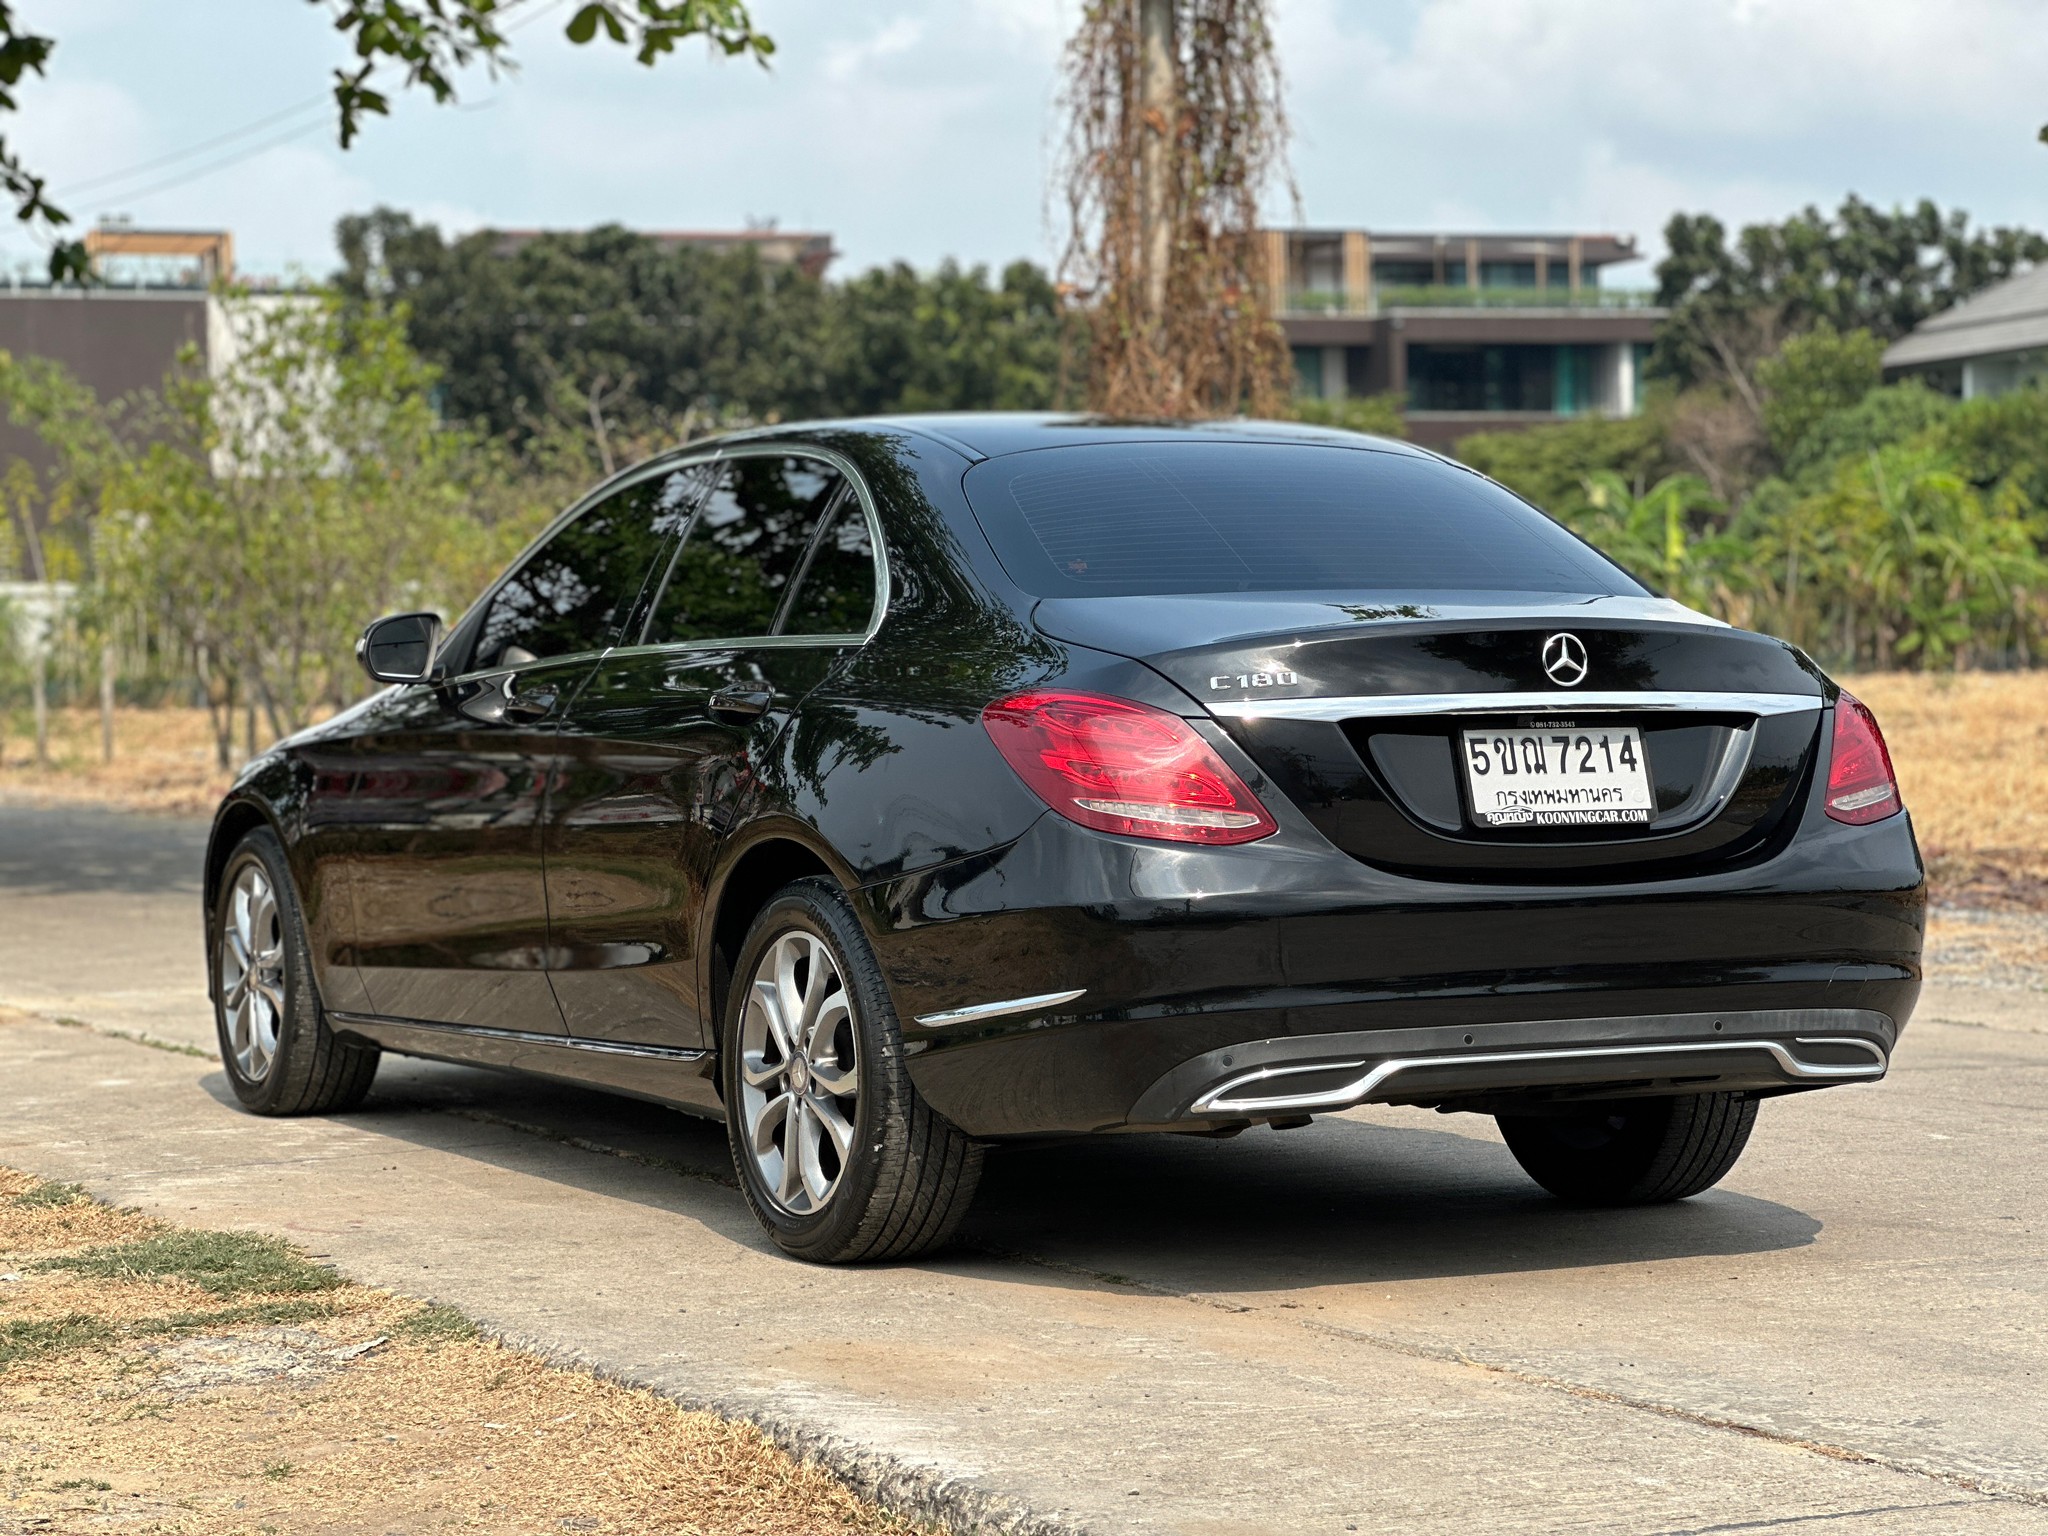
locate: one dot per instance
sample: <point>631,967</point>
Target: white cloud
<point>922,128</point>
<point>1614,113</point>
<point>850,60</point>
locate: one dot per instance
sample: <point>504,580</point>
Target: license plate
<point>1531,778</point>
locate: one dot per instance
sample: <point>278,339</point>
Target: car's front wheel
<point>1633,1151</point>
<point>280,1055</point>
<point>838,1156</point>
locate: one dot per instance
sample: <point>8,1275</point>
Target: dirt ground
<point>1971,751</point>
<point>221,1384</point>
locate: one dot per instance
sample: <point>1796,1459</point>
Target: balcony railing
<point>1455,296</point>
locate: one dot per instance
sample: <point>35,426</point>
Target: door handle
<point>525,708</point>
<point>741,701</point>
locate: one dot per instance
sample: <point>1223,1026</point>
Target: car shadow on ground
<point>1342,1202</point>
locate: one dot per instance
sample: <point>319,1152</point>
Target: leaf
<point>583,25</point>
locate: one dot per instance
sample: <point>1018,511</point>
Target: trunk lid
<point>1356,711</point>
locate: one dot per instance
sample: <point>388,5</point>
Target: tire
<point>906,1176</point>
<point>1633,1151</point>
<point>281,1057</point>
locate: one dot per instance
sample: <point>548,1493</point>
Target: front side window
<point>577,590</point>
<point>746,545</point>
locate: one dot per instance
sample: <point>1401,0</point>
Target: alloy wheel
<point>252,972</point>
<point>799,1073</point>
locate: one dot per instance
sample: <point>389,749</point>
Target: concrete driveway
<point>1372,1324</point>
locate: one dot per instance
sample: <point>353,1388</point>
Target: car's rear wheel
<point>281,1057</point>
<point>1633,1151</point>
<point>838,1156</point>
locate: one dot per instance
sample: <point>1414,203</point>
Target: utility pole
<point>1159,118</point>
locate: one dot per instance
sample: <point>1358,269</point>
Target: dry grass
<point>1971,751</point>
<point>190,1382</point>
<point>163,761</point>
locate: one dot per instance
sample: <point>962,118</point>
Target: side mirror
<point>401,648</point>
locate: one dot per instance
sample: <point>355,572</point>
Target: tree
<point>431,41</point>
<point>1550,465</point>
<point>1656,533</point>
<point>1861,268</point>
<point>1890,413</point>
<point>612,337</point>
<point>1813,375</point>
<point>1175,131</point>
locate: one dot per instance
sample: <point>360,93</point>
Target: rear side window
<point>1125,518</point>
<point>836,595</point>
<point>745,546</point>
<point>576,591</point>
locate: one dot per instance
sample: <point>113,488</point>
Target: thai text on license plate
<point>1538,778</point>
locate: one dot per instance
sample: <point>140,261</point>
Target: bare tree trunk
<point>39,690</point>
<point>220,709</point>
<point>107,699</point>
<point>1159,115</point>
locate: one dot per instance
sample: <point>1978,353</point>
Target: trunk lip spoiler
<point>1388,706</point>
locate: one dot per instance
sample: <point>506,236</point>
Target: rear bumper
<point>1525,1064</point>
<point>1165,975</point>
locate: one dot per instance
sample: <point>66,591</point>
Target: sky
<point>921,130</point>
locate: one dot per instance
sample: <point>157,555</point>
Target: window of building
<point>2002,373</point>
<point>1358,374</point>
<point>1480,378</point>
<point>1404,274</point>
<point>746,542</point>
<point>1507,274</point>
<point>1578,380</point>
<point>1308,371</point>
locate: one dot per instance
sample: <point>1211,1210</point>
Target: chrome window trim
<point>1387,706</point>
<point>884,588</point>
<point>624,480</point>
<point>1219,1100</point>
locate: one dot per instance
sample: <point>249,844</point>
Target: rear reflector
<point>1122,767</point>
<point>1861,785</point>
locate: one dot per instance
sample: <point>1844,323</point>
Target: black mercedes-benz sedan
<point>893,787</point>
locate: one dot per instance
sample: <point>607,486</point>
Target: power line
<point>183,177</point>
<point>79,189</point>
<point>95,185</point>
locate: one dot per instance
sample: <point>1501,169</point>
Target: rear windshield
<point>1116,519</point>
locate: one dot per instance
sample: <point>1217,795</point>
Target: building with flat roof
<point>805,250</point>
<point>156,293</point>
<point>1987,345</point>
<point>1473,332</point>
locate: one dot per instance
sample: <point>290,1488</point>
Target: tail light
<point>1123,767</point>
<point>1861,785</point>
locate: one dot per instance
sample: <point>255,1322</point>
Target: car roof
<point>991,434</point>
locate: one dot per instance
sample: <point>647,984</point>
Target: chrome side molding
<point>367,1022</point>
<point>1385,706</point>
<point>1038,1004</point>
<point>1228,1098</point>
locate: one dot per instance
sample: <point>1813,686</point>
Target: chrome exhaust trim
<point>1226,1098</point>
<point>1038,1004</point>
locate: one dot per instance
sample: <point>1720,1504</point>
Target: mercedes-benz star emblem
<point>1564,660</point>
